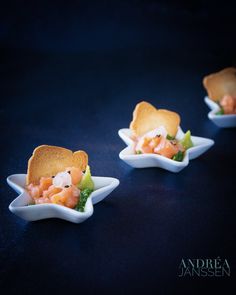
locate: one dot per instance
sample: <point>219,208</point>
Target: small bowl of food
<point>58,184</point>
<point>221,99</point>
<point>155,139</point>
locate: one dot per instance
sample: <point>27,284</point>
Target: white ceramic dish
<point>201,145</point>
<point>103,187</point>
<point>223,121</point>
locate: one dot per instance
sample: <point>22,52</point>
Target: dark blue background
<point>71,74</point>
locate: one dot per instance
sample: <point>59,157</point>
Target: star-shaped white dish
<point>128,155</point>
<point>103,187</point>
<point>223,121</point>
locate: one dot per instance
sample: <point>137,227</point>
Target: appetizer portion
<point>58,176</point>
<point>221,88</point>
<point>154,132</point>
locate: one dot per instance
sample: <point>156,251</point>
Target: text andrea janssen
<point>204,267</point>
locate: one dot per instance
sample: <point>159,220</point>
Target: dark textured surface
<point>71,76</point>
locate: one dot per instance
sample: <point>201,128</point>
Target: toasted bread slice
<point>221,83</point>
<point>47,161</point>
<point>146,118</point>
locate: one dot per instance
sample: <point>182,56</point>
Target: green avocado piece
<point>86,181</point>
<point>169,137</point>
<point>178,157</point>
<point>220,112</point>
<point>84,195</point>
<point>186,141</point>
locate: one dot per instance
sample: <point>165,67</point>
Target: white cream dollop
<point>151,134</point>
<point>62,179</point>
